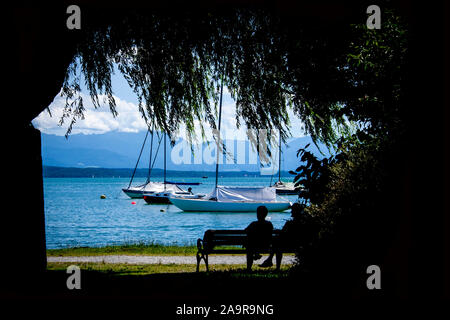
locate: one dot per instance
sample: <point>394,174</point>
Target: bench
<point>214,242</point>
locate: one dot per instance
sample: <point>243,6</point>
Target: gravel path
<point>215,259</point>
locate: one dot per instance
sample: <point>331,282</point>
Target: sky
<point>100,121</point>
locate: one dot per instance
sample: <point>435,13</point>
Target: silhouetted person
<point>259,236</point>
<point>190,190</point>
<point>297,233</point>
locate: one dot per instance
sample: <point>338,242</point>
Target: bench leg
<point>249,261</point>
<point>278,257</point>
<point>200,256</point>
<point>199,259</point>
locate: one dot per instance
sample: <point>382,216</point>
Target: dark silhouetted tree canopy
<point>175,63</point>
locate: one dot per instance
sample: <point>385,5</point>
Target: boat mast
<point>279,158</point>
<point>164,161</point>
<point>150,161</point>
<point>218,138</point>
<point>139,158</point>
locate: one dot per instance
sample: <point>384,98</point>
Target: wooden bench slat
<point>227,251</point>
<point>220,236</point>
<point>222,244</point>
<point>233,232</point>
<point>225,231</point>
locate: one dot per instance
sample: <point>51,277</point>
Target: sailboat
<point>280,186</point>
<point>231,199</point>
<point>163,192</point>
<point>136,192</point>
<point>147,190</point>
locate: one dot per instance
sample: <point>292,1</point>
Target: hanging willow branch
<point>173,63</point>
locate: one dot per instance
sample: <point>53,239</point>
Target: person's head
<point>189,189</point>
<point>261,212</point>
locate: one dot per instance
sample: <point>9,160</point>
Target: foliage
<point>175,63</point>
<point>312,175</point>
<point>348,191</point>
<point>372,80</point>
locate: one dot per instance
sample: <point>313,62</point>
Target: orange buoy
<point>133,202</point>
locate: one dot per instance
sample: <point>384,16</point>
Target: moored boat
<point>137,192</point>
<point>164,197</point>
<point>156,192</point>
<point>285,188</point>
<point>233,199</point>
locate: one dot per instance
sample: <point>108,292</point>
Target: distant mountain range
<point>121,150</point>
<point>70,172</point>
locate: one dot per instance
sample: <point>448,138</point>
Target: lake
<point>76,216</point>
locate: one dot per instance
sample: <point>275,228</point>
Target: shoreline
<point>138,249</point>
<point>126,173</point>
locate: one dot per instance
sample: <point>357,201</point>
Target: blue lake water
<point>76,216</point>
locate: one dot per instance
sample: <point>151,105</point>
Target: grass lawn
<point>116,269</point>
<point>126,249</point>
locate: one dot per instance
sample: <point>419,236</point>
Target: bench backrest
<point>216,238</point>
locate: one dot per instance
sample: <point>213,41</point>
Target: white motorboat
<point>233,199</point>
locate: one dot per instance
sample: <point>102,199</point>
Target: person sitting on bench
<point>297,233</point>
<point>259,236</point>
